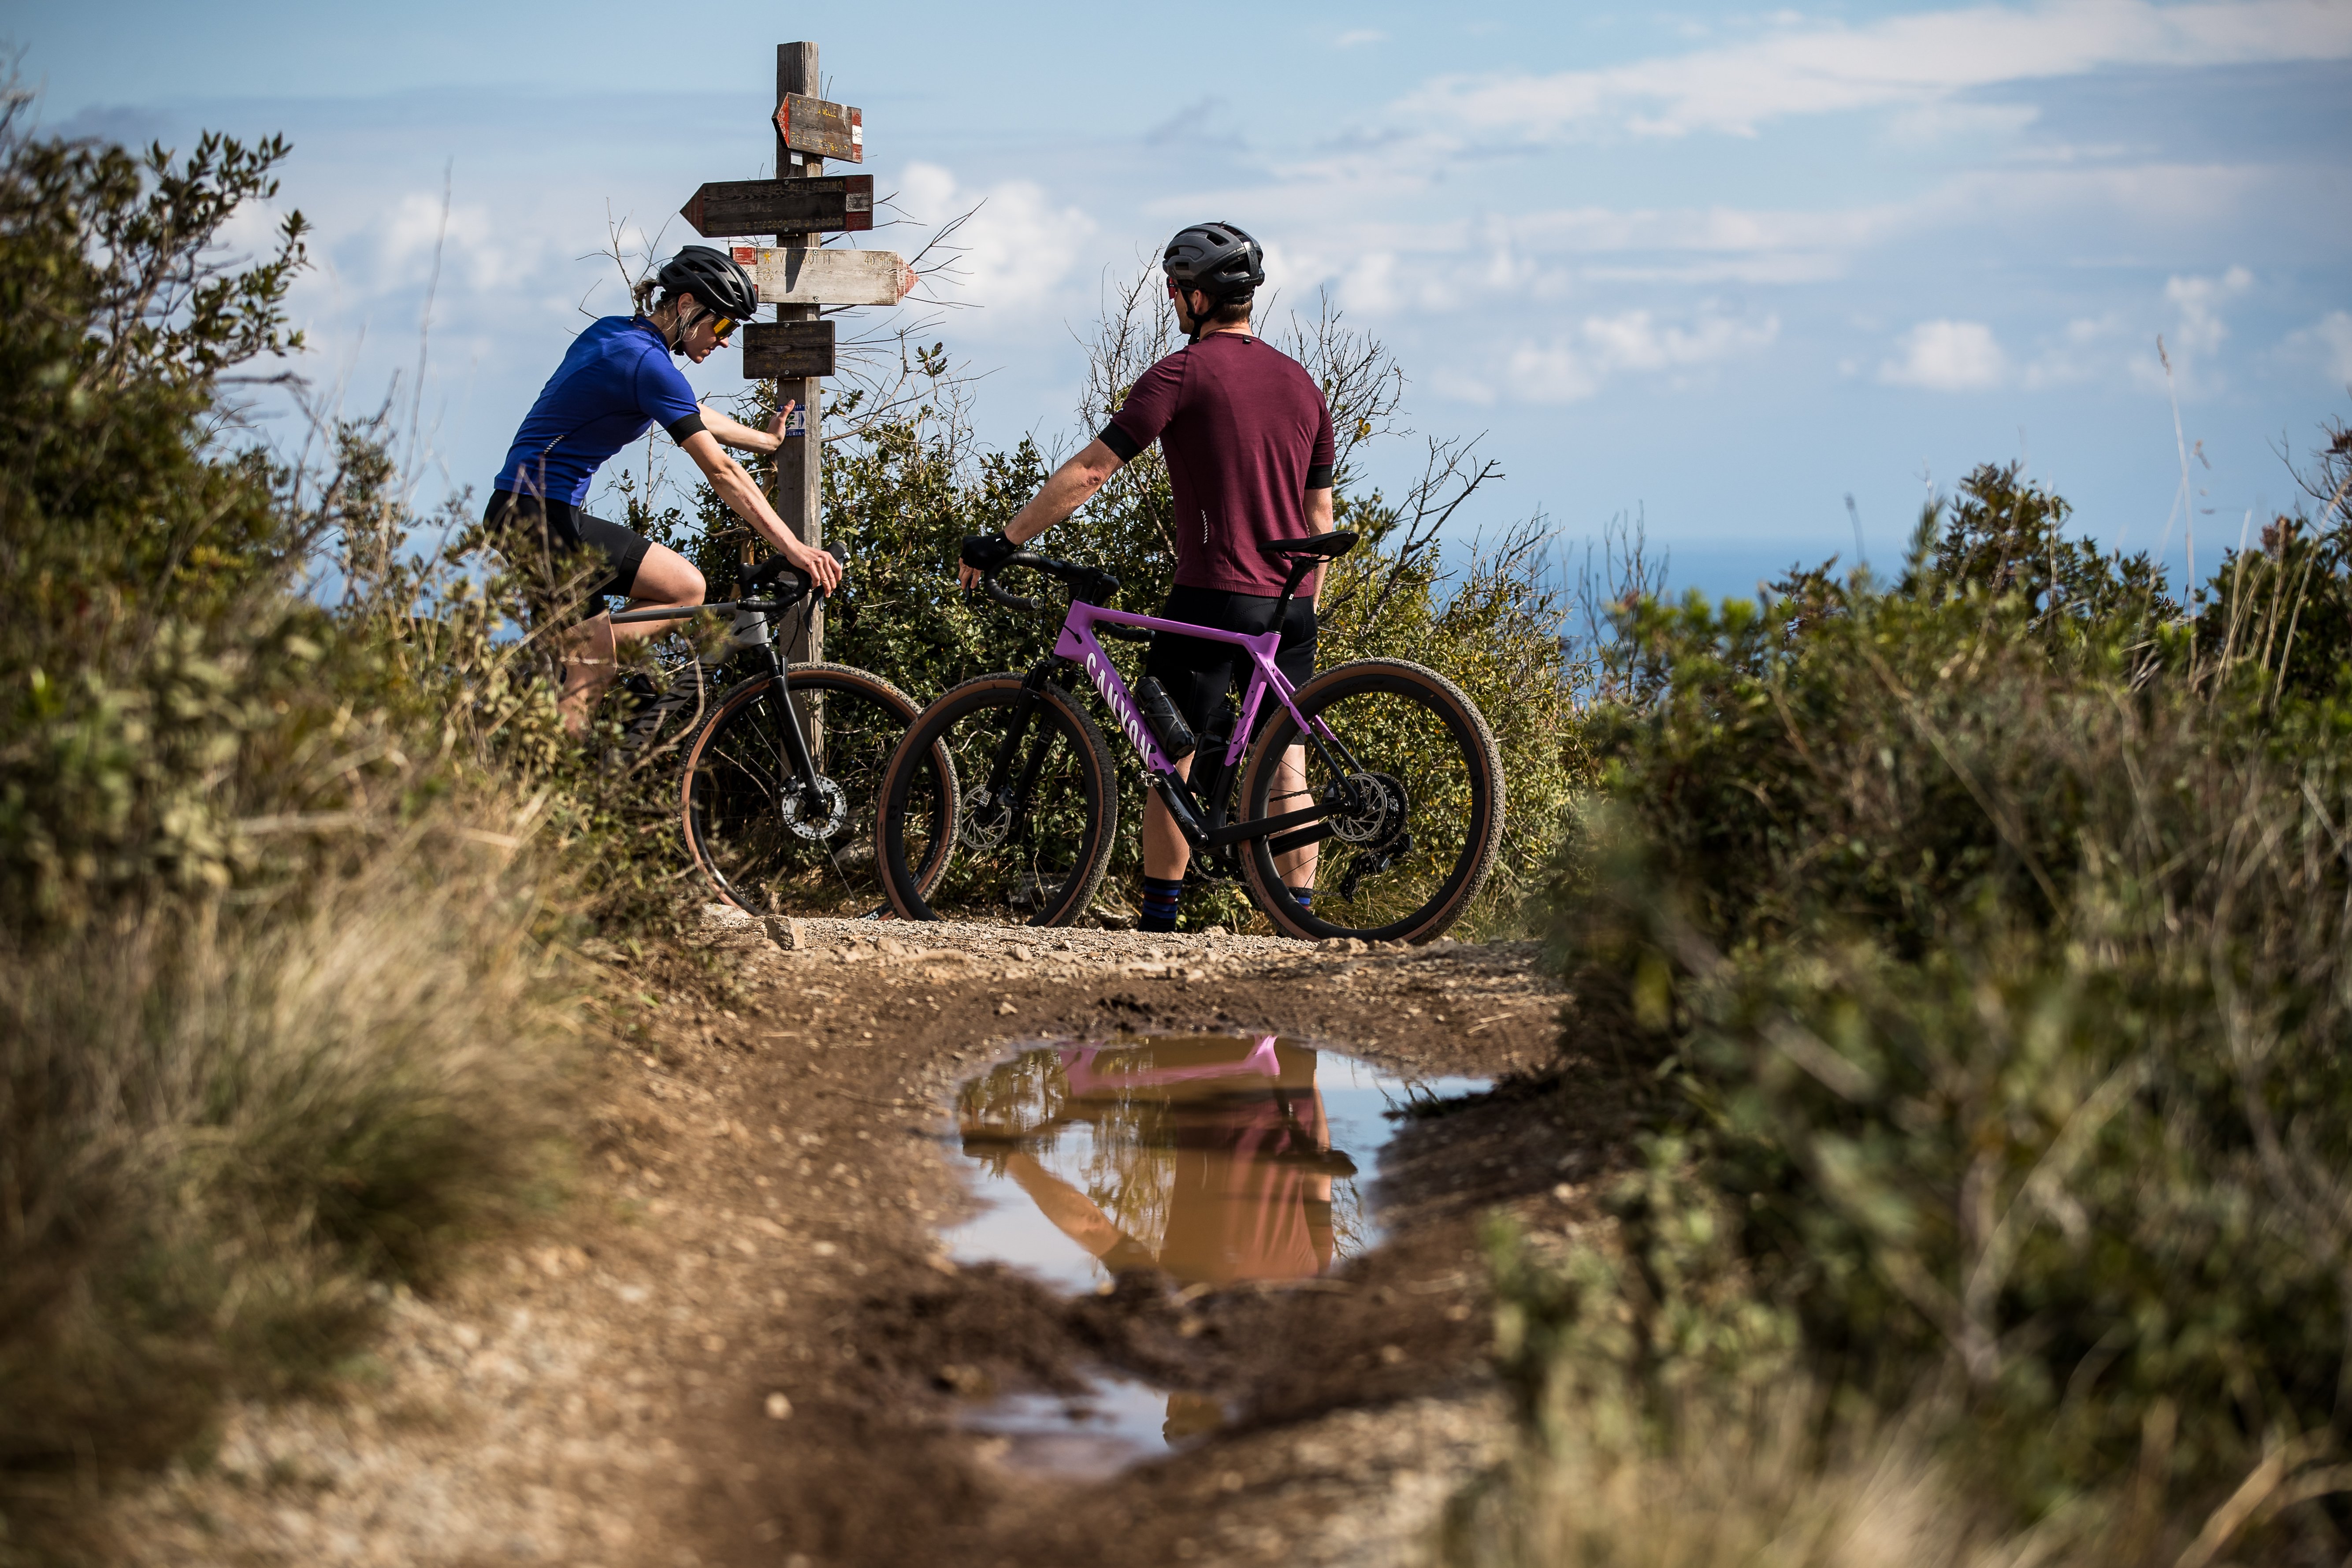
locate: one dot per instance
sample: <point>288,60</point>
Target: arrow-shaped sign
<point>828,130</point>
<point>827,203</point>
<point>798,276</point>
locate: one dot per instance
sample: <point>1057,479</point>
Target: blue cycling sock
<point>1305,897</point>
<point>1160,895</point>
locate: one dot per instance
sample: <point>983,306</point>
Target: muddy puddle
<point>1220,1160</point>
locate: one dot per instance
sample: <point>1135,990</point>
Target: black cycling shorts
<point>527,529</point>
<point>1200,674</point>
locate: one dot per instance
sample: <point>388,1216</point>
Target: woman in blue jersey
<point>618,381</point>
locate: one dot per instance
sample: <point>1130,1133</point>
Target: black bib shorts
<point>526,529</point>
<point>1200,675</point>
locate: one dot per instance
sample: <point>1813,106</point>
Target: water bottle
<point>1160,711</point>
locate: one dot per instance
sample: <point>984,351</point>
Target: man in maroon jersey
<point>1248,438</point>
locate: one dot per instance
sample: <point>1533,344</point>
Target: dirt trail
<point>741,1343</point>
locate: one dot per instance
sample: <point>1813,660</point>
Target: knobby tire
<point>735,767</point>
<point>1411,723</point>
<point>1043,867</point>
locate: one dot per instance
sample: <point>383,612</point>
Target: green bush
<point>1993,929</point>
<point>280,1017</point>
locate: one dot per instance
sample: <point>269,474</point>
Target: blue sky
<point>1720,266</point>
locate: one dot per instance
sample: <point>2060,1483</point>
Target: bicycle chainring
<point>806,822</point>
<point>987,821</point>
<point>1379,809</point>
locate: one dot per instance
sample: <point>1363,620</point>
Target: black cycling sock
<point>1305,897</point>
<point>1161,896</point>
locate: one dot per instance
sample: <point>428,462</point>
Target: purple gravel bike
<point>1377,783</point>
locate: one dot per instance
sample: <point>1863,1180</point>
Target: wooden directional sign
<point>828,130</point>
<point>817,277</point>
<point>834,203</point>
<point>787,351</point>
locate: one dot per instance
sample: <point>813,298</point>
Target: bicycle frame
<point>751,630</point>
<point>1201,829</point>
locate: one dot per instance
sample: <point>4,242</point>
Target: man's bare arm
<point>1072,486</point>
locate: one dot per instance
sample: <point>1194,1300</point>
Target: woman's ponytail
<point>642,292</point>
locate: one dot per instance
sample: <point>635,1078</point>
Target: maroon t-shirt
<point>1246,435</point>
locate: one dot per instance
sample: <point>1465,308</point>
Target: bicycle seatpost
<point>1299,567</point>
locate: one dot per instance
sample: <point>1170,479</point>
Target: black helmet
<point>714,278</point>
<point>1217,258</point>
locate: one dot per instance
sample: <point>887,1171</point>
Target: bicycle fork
<point>792,740</point>
<point>1013,798</point>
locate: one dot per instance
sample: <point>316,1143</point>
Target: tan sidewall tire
<point>833,675</point>
<point>946,711</point>
<point>1486,836</point>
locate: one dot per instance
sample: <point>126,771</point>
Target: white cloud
<point>2200,330</point>
<point>2194,339</point>
<point>2328,340</point>
<point>1900,62</point>
<point>1944,120</point>
<point>1947,356</point>
<point>2085,350</point>
<point>1577,364</point>
<point>1357,37</point>
<point>1018,247</point>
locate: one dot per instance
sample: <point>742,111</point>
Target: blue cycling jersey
<point>617,381</point>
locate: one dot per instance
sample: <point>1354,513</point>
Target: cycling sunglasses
<point>722,327</point>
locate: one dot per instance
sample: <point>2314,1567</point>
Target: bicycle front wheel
<point>753,830</point>
<point>1038,815</point>
<point>1415,782</point>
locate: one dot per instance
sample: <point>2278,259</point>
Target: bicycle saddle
<point>1325,545</point>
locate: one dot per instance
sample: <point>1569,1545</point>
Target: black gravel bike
<point>1377,783</point>
<point>782,772</point>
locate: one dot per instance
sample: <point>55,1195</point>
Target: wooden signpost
<point>787,351</point>
<point>727,207</point>
<point>804,276</point>
<point>828,130</point>
<point>801,278</point>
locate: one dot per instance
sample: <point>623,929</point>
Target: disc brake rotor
<point>1378,810</point>
<point>830,816</point>
<point>987,822</point>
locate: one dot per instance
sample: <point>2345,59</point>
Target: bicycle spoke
<point>1030,847</point>
<point>753,824</point>
<point>1412,824</point>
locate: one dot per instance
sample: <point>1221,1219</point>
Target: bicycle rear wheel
<point>1037,818</point>
<point>1421,781</point>
<point>762,844</point>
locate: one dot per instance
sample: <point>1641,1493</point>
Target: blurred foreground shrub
<point>282,1012</point>
<point>1994,932</point>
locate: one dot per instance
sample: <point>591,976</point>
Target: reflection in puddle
<point>1218,1159</point>
<point>1117,1423</point>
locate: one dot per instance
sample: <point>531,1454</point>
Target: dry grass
<point>1752,1487</point>
<point>222,1133</point>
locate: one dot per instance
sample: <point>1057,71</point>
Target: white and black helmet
<point>1220,260</point>
<point>715,279</point>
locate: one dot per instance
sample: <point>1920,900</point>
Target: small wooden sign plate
<point>787,351</point>
<point>799,276</point>
<point>828,130</point>
<point>826,204</point>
